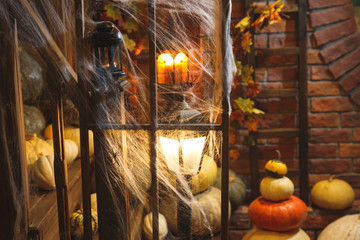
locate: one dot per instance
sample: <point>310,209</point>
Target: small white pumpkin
<point>71,149</point>
<point>344,228</point>
<point>43,172</point>
<point>276,189</point>
<point>148,226</point>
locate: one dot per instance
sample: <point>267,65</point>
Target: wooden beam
<point>14,201</point>
<point>303,103</point>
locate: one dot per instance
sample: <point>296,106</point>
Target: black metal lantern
<point>106,51</point>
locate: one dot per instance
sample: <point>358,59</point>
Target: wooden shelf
<point>43,210</point>
<point>278,132</point>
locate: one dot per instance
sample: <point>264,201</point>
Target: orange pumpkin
<point>277,216</point>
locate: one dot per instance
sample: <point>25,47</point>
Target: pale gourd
<point>43,173</point>
<point>206,177</point>
<point>237,188</point>
<point>344,228</point>
<point>332,194</point>
<point>276,189</point>
<point>148,226</point>
<point>35,147</point>
<point>77,224</point>
<point>72,134</point>
<point>71,149</point>
<point>260,234</point>
<point>34,120</point>
<point>205,212</point>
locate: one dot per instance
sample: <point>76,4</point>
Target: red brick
<point>284,105</point>
<point>322,150</point>
<point>350,119</point>
<point>330,166</point>
<point>237,235</point>
<point>321,17</point>
<point>320,73</point>
<point>314,178</point>
<point>349,150</point>
<point>323,89</point>
<point>334,32</point>
<point>283,40</point>
<point>352,179</point>
<point>260,74</point>
<point>272,60</point>
<point>355,96</point>
<point>329,135</point>
<point>350,80</point>
<point>281,85</point>
<point>357,165</point>
<point>282,74</point>
<point>283,140</point>
<point>323,120</point>
<point>260,41</point>
<point>284,26</point>
<point>340,67</point>
<point>340,48</point>
<point>269,152</point>
<point>239,222</point>
<point>318,222</point>
<point>333,104</point>
<point>277,121</point>
<point>314,57</point>
<point>237,10</point>
<point>313,4</point>
<point>356,134</point>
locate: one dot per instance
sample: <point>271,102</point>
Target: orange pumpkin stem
<point>331,178</point>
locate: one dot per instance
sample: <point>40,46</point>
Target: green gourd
<point>237,188</point>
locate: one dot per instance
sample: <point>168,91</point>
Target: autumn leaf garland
<point>244,111</point>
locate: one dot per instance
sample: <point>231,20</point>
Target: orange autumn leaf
<point>133,101</point>
<point>246,41</point>
<point>234,154</point>
<point>253,89</point>
<point>238,116</point>
<point>252,124</point>
<point>232,137</point>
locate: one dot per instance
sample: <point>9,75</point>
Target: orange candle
<point>164,68</point>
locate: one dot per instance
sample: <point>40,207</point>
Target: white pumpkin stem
<point>279,155</point>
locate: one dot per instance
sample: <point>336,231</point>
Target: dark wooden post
<point>14,200</point>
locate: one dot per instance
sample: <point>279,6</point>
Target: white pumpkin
<point>345,228</point>
<point>42,172</point>
<point>71,149</point>
<point>148,226</point>
<point>276,189</point>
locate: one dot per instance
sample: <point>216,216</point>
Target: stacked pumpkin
<point>277,214</point>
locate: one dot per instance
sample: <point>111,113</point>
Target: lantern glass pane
<point>104,58</point>
<point>117,57</point>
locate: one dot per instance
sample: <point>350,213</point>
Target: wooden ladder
<point>298,13</point>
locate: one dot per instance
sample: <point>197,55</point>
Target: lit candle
<point>165,64</point>
<point>181,68</point>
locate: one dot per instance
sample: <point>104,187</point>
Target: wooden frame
<point>76,86</point>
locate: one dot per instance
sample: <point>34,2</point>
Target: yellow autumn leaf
<point>243,23</point>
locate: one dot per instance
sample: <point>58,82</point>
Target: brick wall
<point>334,102</point>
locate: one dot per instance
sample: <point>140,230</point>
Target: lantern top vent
<point>105,34</point>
